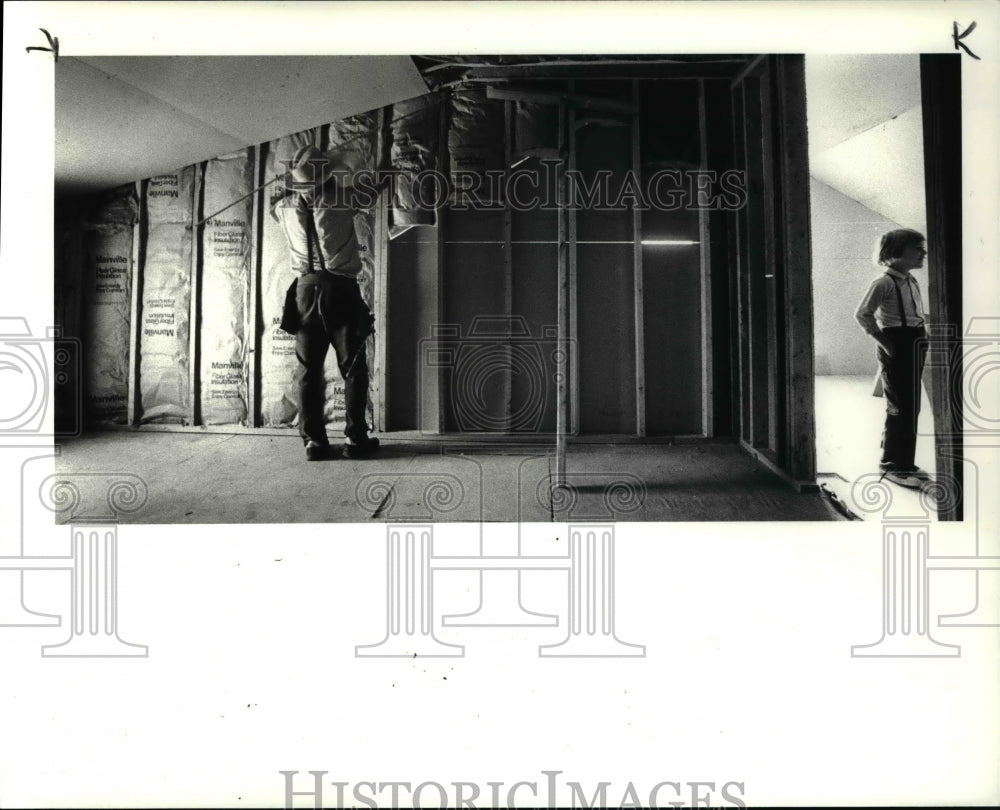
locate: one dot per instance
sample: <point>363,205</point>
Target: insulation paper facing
<point>278,400</point>
<point>108,296</point>
<point>475,138</point>
<point>355,140</point>
<point>164,333</point>
<point>414,150</point>
<point>225,290</point>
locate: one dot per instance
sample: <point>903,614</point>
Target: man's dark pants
<point>330,310</point>
<point>901,375</point>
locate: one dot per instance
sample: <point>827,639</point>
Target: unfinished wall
<point>213,271</point>
<point>165,332</point>
<point>187,334</point>
<point>107,292</point>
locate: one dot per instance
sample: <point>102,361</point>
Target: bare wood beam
<point>256,208</point>
<point>705,257</point>
<point>194,319</point>
<point>695,70</point>
<point>941,95</point>
<point>508,269</point>
<point>135,327</point>
<point>380,404</point>
<point>573,281</point>
<point>562,366</point>
<point>799,458</point>
<point>570,99</point>
<point>640,333</point>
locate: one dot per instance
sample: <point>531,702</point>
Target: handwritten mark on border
<point>957,38</point>
<point>54,44</point>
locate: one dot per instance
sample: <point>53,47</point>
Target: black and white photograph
<point>500,404</point>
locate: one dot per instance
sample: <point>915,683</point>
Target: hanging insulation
<point>356,142</point>
<point>225,291</point>
<point>473,145</point>
<point>536,129</point>
<point>108,296</point>
<point>414,150</point>
<point>164,330</point>
<point>278,398</point>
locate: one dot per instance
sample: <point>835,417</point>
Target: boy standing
<point>892,313</point>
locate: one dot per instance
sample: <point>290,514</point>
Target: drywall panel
<point>92,108</point>
<point>225,291</point>
<point>880,87</point>
<point>844,235</point>
<point>179,110</point>
<point>882,168</point>
<point>258,98</point>
<point>165,312</point>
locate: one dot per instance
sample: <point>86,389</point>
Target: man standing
<point>324,307</point>
<point>892,313</point>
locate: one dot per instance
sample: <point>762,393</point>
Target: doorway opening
<point>866,177</point>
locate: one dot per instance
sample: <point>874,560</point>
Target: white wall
<point>843,236</point>
<point>867,177</point>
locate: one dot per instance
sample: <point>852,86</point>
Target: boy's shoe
<point>361,448</point>
<point>317,452</point>
<point>910,480</point>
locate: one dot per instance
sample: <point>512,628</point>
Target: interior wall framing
<point>630,314</point>
<point>773,269</point>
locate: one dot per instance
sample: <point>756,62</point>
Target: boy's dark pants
<point>901,374</point>
<point>330,310</point>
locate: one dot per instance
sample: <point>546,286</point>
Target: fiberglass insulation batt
<point>225,290</point>
<point>108,294</point>
<point>164,335</point>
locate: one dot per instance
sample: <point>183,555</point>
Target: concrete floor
<point>223,478</point>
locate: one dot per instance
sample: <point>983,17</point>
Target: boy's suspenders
<point>899,298</point>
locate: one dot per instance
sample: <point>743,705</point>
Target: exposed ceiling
<point>866,132</point>
<point>121,119</point>
<point>446,71</point>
